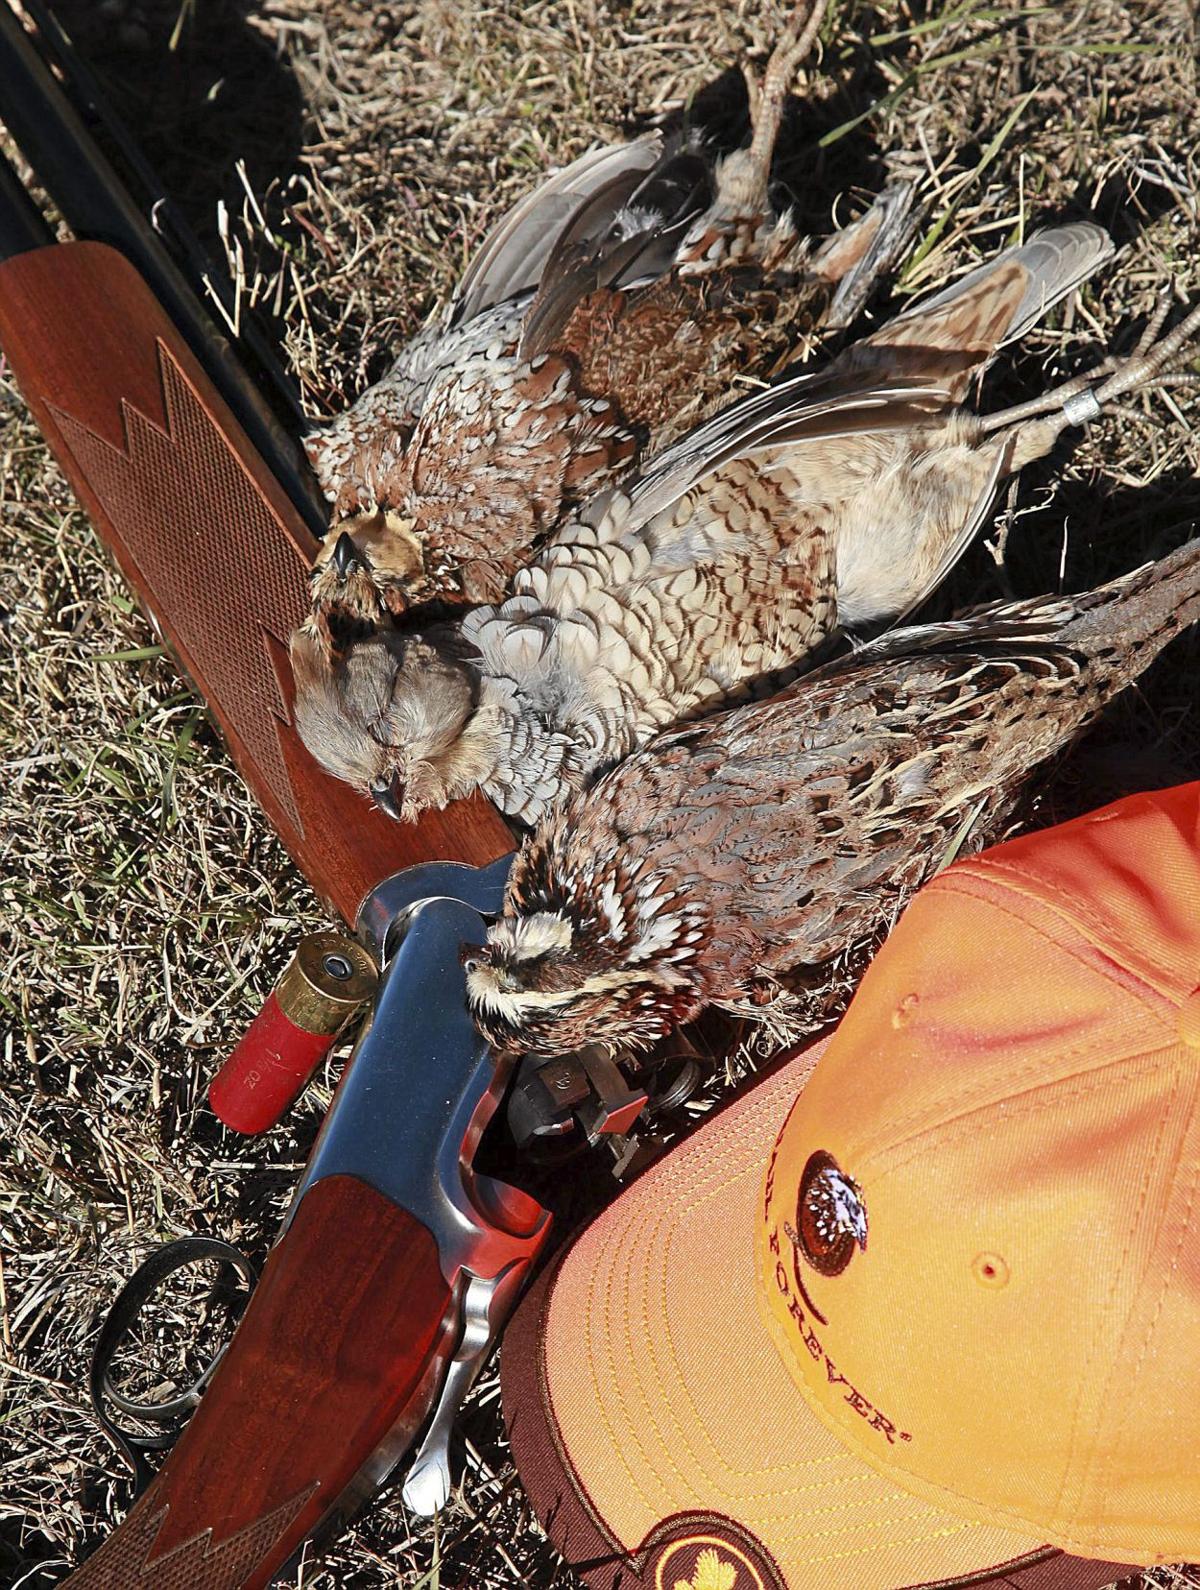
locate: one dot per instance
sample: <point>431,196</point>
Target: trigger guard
<point>125,1309</point>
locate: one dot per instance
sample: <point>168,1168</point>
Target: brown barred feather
<point>722,857</point>
<point>828,501</point>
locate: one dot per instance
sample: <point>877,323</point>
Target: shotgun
<point>398,1260</point>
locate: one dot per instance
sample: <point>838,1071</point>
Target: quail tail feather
<point>513,257</point>
<point>624,231</point>
<point>1052,263</point>
<point>1057,260</point>
<point>956,333</point>
<point>1125,624</point>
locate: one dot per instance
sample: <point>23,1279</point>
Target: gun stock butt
<point>327,1378</point>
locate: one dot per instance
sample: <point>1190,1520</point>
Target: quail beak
<point>388,795</point>
<point>346,556</point>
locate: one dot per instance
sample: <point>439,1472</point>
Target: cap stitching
<point>954,1525</point>
<point>1040,1099</point>
<point>685,1435</point>
<point>1095,1084</point>
<point>1014,1526</point>
<point>919,1140</point>
<point>1032,885</point>
<point>711,1519</point>
<point>644,1233</point>
<point>797,1487</point>
<point>607,1351</point>
<point>949,1524</point>
<point>1143,1197</point>
<point>555,1429</point>
<point>994,880</point>
<point>732,1166</point>
<point>659,1278</point>
<point>1041,888</point>
<point>1185,1227</point>
<point>932,1494</point>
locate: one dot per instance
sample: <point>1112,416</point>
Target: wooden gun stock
<point>206,536</point>
<point>377,1305</point>
<point>327,1378</point>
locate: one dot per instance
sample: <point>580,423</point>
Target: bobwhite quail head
<point>424,738</point>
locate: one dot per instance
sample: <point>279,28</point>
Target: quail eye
<point>470,958</point>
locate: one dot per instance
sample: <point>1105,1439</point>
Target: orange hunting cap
<point>931,1314</point>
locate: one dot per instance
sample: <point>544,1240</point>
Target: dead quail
<point>614,305</point>
<point>726,855</point>
<point>836,499</point>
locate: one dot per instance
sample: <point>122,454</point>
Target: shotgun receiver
<point>398,1261</point>
<point>396,1267</point>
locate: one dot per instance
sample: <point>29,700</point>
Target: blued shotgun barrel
<point>22,225</point>
<point>153,218</point>
<point>96,206</point>
<point>204,533</point>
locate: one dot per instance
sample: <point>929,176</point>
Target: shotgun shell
<point>329,978</point>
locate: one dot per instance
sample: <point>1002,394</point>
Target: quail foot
<point>723,856</point>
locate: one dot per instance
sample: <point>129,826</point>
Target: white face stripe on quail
<point>510,1005</point>
<point>530,937</point>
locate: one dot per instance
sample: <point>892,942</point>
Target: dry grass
<point>347,157</point>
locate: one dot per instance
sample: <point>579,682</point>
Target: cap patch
<point>705,1551</point>
<point>831,1217</point>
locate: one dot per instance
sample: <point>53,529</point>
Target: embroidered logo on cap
<point>712,1572</point>
<point>831,1221</point>
<point>831,1217</point>
<point>713,1557</point>
<point>704,1551</point>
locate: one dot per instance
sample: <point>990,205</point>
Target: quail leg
<point>1043,419</point>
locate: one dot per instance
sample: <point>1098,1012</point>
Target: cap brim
<point>653,1420</point>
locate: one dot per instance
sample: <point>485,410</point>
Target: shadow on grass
<point>200,89</point>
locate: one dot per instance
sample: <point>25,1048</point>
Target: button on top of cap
<point>1189,1020</point>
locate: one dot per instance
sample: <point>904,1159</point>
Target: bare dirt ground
<point>345,158</point>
